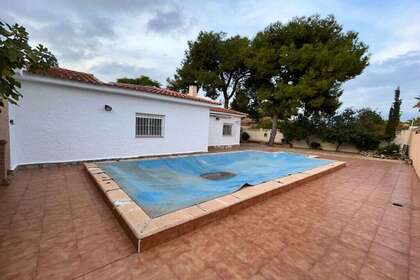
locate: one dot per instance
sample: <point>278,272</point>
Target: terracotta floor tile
<point>54,224</point>
<point>172,249</point>
<point>393,239</point>
<point>341,258</point>
<point>396,223</point>
<point>387,268</point>
<point>368,273</point>
<point>415,247</point>
<point>389,254</point>
<point>295,258</point>
<point>58,253</point>
<point>23,267</point>
<point>277,269</point>
<point>187,265</point>
<point>232,268</point>
<point>162,273</point>
<point>414,272</point>
<point>55,270</point>
<point>355,240</point>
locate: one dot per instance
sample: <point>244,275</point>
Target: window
<point>227,129</point>
<point>148,125</point>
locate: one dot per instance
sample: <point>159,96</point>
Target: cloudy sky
<point>112,39</point>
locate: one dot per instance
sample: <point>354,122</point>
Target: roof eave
<point>108,89</point>
<point>226,114</point>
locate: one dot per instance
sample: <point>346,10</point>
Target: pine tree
<point>393,117</point>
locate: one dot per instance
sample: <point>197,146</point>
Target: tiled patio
<point>54,224</point>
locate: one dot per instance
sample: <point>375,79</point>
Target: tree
<point>216,64</point>
<point>142,81</point>
<point>340,128</point>
<point>304,63</point>
<point>413,122</point>
<point>368,130</point>
<point>246,101</point>
<point>418,103</point>
<point>16,53</point>
<point>362,128</point>
<point>303,128</point>
<point>393,117</point>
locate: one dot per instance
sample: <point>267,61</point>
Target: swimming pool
<point>160,186</point>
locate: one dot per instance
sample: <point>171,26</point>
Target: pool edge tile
<point>147,232</point>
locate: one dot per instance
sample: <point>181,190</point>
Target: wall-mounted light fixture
<point>108,108</point>
<point>217,119</point>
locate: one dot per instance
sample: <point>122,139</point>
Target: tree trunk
<point>338,147</point>
<point>226,98</point>
<point>226,105</point>
<point>273,130</point>
<point>308,141</point>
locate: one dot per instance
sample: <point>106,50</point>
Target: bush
<point>245,136</point>
<point>366,141</point>
<point>390,150</point>
<point>315,145</point>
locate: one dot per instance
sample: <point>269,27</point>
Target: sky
<point>127,38</point>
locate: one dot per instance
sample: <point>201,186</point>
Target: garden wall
<point>415,150</point>
<point>4,143</point>
<point>326,146</point>
<point>262,135</point>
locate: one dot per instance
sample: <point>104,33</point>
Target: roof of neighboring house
<point>227,111</point>
<point>71,75</point>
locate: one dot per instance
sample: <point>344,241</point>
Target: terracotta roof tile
<point>65,74</point>
<point>71,75</point>
<point>227,111</point>
<point>162,91</point>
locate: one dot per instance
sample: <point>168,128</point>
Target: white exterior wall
<point>56,123</point>
<point>215,128</point>
<point>262,135</point>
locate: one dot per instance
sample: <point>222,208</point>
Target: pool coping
<point>147,232</point>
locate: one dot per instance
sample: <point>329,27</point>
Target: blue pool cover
<point>161,186</point>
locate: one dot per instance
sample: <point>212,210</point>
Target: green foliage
<point>368,130</point>
<point>414,122</point>
<point>315,145</point>
<point>245,101</point>
<point>216,64</point>
<point>266,123</point>
<point>418,102</point>
<point>390,150</point>
<point>363,128</point>
<point>142,81</point>
<point>15,53</point>
<point>302,65</point>
<point>340,128</point>
<point>393,117</point>
<point>303,128</point>
<point>245,136</point>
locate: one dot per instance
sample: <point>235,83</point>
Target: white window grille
<point>227,129</point>
<point>149,125</point>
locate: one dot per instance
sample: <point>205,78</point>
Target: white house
<point>224,127</point>
<point>67,116</point>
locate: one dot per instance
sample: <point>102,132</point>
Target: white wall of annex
<point>216,137</point>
